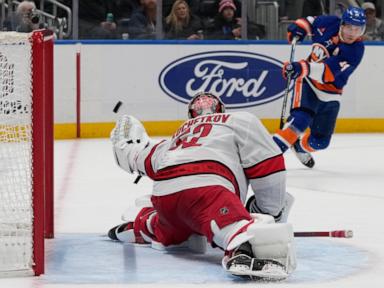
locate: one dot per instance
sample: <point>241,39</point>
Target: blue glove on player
<point>295,69</point>
<point>295,30</point>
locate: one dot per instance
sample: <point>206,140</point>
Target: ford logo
<point>241,79</point>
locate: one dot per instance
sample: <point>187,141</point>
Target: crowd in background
<point>182,19</point>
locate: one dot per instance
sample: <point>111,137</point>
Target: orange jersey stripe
<point>297,92</point>
<point>326,87</point>
<point>288,135</point>
<point>328,75</point>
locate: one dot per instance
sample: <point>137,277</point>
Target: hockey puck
<point>117,107</point>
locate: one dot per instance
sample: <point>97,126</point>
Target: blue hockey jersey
<point>331,61</point>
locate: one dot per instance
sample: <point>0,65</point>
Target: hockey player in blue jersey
<point>337,50</point>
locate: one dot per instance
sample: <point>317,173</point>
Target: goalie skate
<point>304,157</point>
<point>125,233</point>
<point>256,269</point>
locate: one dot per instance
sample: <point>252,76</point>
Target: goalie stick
<point>116,110</point>
<point>333,234</point>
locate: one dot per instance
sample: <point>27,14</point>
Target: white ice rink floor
<point>344,191</point>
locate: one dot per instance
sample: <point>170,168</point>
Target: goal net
<point>26,150</point>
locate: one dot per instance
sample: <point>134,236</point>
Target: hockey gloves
<point>281,217</point>
<point>295,30</point>
<point>295,69</point>
<point>129,139</point>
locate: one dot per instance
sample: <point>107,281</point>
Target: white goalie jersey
<point>228,149</point>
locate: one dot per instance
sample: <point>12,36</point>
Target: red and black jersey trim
<point>198,168</point>
<point>266,167</point>
<point>148,162</point>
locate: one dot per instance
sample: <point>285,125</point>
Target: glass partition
<point>176,19</point>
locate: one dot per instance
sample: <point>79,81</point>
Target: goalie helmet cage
<point>26,150</point>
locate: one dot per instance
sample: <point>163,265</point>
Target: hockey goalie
<point>201,177</point>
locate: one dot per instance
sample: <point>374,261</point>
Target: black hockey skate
<point>113,232</point>
<point>305,158</point>
<point>242,264</point>
<point>125,233</point>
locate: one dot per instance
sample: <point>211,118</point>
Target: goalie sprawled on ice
<point>201,179</point>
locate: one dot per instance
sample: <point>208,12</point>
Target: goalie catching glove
<point>128,138</point>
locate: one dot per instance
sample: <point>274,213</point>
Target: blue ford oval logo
<point>241,79</point>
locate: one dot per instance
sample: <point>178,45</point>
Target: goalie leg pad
<point>243,234</point>
<point>274,241</point>
<point>222,237</point>
<point>271,255</point>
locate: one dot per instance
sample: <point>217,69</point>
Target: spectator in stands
<point>237,4</point>
<point>342,5</point>
<point>207,9</point>
<point>193,6</point>
<point>377,4</point>
<point>26,19</point>
<point>226,26</point>
<point>314,7</point>
<point>182,24</point>
<point>375,26</point>
<point>142,24</point>
<point>93,22</point>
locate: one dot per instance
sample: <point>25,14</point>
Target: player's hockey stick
<point>333,234</point>
<point>286,92</point>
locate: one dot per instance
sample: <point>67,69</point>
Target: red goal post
<point>26,150</point>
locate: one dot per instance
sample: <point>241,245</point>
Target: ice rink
<point>345,190</point>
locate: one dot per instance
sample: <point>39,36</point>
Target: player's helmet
<point>354,16</point>
<point>204,103</point>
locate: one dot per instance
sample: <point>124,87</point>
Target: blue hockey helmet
<point>354,16</point>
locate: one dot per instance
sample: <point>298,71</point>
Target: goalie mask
<point>205,103</point>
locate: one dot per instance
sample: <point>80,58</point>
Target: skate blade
<point>269,273</point>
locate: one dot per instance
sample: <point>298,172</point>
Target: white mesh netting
<point>15,152</point>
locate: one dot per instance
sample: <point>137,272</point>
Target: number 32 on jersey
<point>190,138</point>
